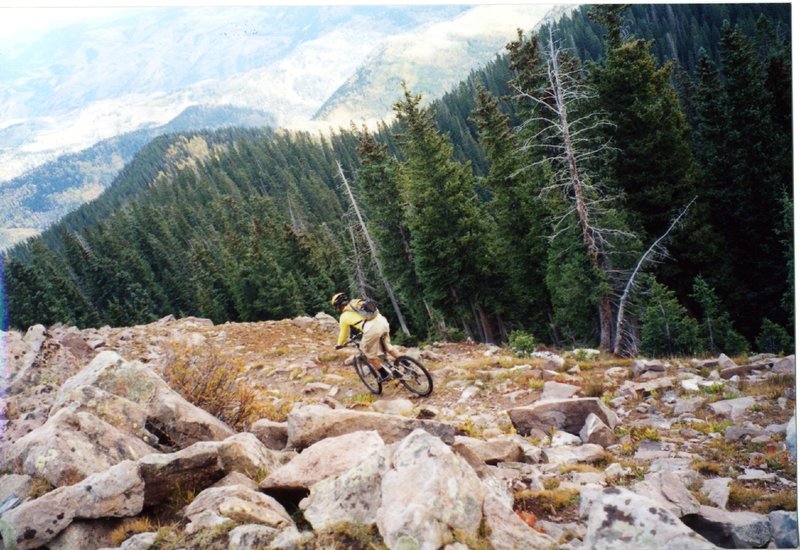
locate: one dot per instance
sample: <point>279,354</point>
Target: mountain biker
<point>375,339</point>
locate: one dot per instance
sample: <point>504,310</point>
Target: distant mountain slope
<point>32,202</point>
<point>74,86</point>
<point>431,60</point>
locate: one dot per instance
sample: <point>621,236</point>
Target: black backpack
<point>367,308</point>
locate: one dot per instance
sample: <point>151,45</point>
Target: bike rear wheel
<point>366,372</point>
<point>413,375</point>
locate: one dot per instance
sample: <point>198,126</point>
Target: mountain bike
<point>408,371</point>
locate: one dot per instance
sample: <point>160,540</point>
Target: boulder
<point>568,415</point>
<point>595,431</point>
<point>191,469</point>
<point>732,408</point>
<point>85,534</point>
<point>251,537</point>
<point>791,435</point>
<point>492,451</point>
<point>669,492</point>
<point>588,453</point>
<point>507,530</point>
<point>15,485</point>
<point>619,518</point>
<point>117,492</point>
<point>141,541</point>
<point>731,529</point>
<point>641,366</point>
<point>426,471</point>
<point>399,407</point>
<point>20,355</point>
<point>71,446</point>
<point>329,457</point>
<point>313,423</point>
<point>690,405</point>
<point>557,390</point>
<point>217,505</point>
<point>717,490</point>
<point>352,497</point>
<point>175,421</point>
<point>784,365</point>
<point>725,362</point>
<point>784,528</point>
<point>244,453</point>
<point>272,434</point>
<point>123,414</point>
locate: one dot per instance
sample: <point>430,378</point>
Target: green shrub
<point>521,342</point>
<point>773,338</point>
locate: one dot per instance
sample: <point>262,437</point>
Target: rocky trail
<point>185,434</point>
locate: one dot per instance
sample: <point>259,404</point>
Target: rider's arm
<point>347,319</point>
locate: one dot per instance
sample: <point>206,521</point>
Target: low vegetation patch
<point>760,498</point>
<point>216,385</point>
<point>549,503</point>
<point>130,527</point>
<point>346,536</point>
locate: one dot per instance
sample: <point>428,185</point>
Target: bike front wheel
<point>366,372</point>
<point>413,375</point>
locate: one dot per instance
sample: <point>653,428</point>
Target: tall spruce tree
<point>448,236</point>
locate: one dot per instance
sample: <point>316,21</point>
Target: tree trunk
<point>374,252</point>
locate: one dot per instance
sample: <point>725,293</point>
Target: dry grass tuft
<point>216,385</point>
<point>130,527</point>
<point>547,502</point>
<point>760,499</point>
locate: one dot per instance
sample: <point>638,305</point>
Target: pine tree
<point>451,258</point>
<point>717,327</point>
<point>667,330</point>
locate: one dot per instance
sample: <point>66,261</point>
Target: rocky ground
<point>183,434</point>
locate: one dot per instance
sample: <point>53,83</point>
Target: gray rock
<point>595,431</point>
<point>507,530</point>
<point>619,518</point>
<point>731,529</point>
<point>142,541</point>
<point>179,422</point>
<point>329,457</point>
<point>588,453</point>
<point>717,490</point>
<point>272,434</point>
<point>251,537</point>
<point>725,362</point>
<point>15,485</point>
<point>784,365</point>
<point>568,415</point>
<point>791,435</point>
<point>683,406</point>
<point>561,439</point>
<point>84,534</point>
<point>557,390</point>
<point>425,471</point>
<point>237,503</point>
<point>352,497</point>
<point>492,451</point>
<point>313,423</point>
<point>735,433</point>
<point>69,447</point>
<point>193,469</point>
<point>640,367</point>
<point>784,529</point>
<point>399,407</point>
<point>117,492</point>
<point>666,489</point>
<point>734,409</point>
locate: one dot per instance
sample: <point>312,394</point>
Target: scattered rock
<point>329,457</point>
<point>595,431</point>
<point>639,367</point>
<point>731,529</point>
<point>717,490</point>
<point>568,415</point>
<point>273,435</point>
<point>556,390</point>
<point>732,408</point>
<point>313,423</point>
<point>217,505</point>
<point>618,516</point>
<point>71,446</point>
<point>588,453</point>
<point>784,529</point>
<point>498,449</point>
<point>117,492</point>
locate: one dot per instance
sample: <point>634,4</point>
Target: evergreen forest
<point>621,179</point>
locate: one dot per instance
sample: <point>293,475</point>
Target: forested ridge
<point>621,179</point>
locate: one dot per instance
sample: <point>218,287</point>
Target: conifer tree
<point>451,256</point>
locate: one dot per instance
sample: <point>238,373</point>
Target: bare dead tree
<point>654,253</point>
<point>373,252</point>
<point>570,143</point>
<point>358,263</point>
